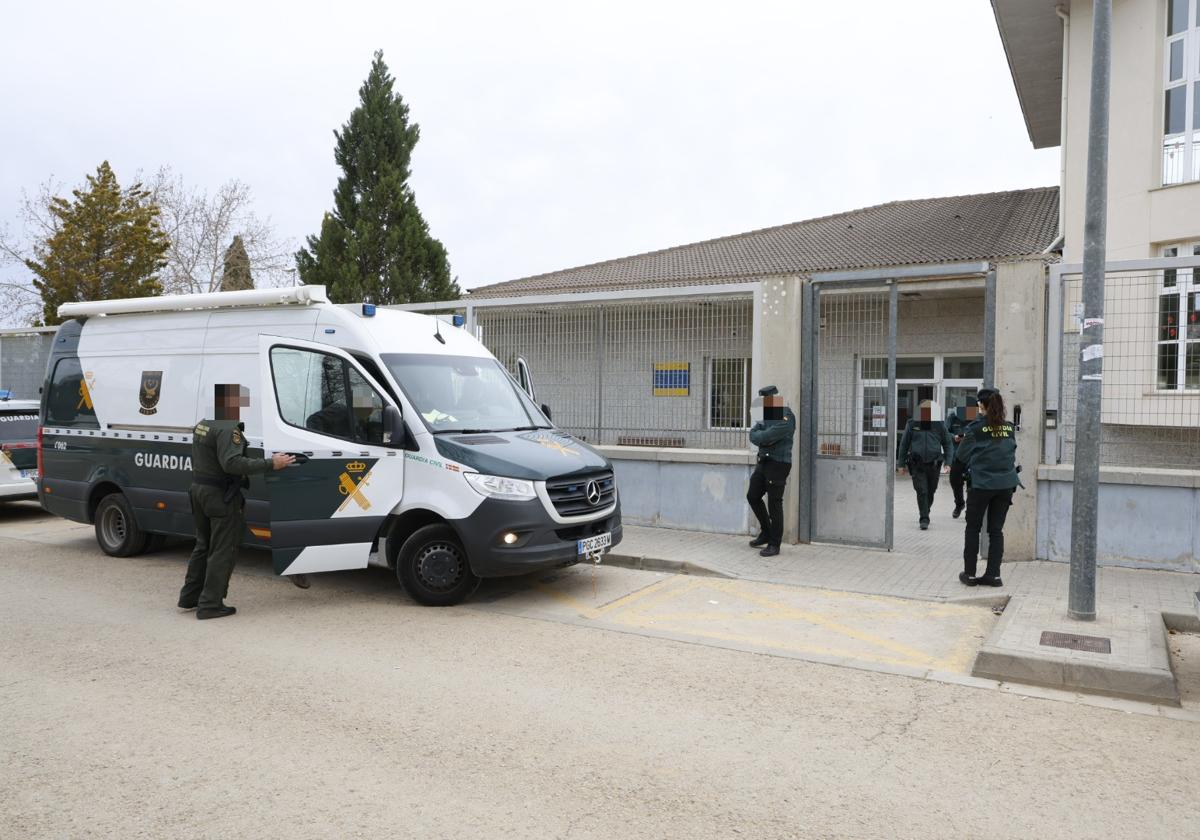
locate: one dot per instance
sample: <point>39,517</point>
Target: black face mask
<point>926,425</point>
<point>772,413</point>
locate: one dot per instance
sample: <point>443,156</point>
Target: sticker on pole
<point>1088,323</point>
<point>1092,352</point>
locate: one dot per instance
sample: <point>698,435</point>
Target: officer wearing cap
<point>773,437</point>
<point>220,469</point>
<point>992,462</point>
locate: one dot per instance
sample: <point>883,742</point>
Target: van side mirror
<point>393,426</point>
<point>546,411</point>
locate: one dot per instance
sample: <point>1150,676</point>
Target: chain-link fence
<point>635,372</point>
<point>852,375</point>
<point>23,356</point>
<point>1150,408</point>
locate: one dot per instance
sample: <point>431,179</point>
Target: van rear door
<point>319,404</point>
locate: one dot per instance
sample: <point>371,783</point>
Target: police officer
<point>924,447</point>
<point>773,437</point>
<point>955,425</point>
<point>220,469</point>
<point>994,479</point>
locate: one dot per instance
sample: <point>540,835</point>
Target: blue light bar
<point>459,320</point>
<point>368,310</point>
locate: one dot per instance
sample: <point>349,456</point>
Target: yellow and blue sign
<point>672,379</point>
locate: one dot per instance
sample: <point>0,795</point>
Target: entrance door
<point>319,404</point>
<point>849,337</point>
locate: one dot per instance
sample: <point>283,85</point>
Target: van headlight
<point>498,487</point>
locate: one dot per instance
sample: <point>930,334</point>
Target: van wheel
<point>117,530</point>
<point>432,566</point>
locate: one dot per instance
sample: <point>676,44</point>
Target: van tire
<point>117,530</point>
<point>433,568</point>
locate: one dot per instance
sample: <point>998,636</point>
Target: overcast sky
<point>552,134</point>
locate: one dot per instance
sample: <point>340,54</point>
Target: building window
<point>1177,360</point>
<point>1181,96</point>
<point>729,394</point>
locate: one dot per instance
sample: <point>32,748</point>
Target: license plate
<point>29,474</point>
<point>593,544</point>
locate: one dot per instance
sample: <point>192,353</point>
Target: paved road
<point>348,711</point>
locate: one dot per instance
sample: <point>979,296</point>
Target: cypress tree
<point>236,273</point>
<point>106,244</point>
<point>375,245</point>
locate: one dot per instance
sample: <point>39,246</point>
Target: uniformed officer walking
<point>773,437</point>
<point>220,469</point>
<point>956,425</point>
<point>994,479</point>
<point>924,447</point>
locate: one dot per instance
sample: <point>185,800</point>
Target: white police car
<point>18,448</point>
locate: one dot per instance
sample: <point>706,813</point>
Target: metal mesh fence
<point>23,359</point>
<point>1150,408</point>
<point>852,350</point>
<point>635,373</point>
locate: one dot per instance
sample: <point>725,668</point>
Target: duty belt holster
<point>229,486</point>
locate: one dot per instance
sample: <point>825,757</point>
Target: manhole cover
<point>1070,641</point>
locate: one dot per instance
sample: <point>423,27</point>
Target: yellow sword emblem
<point>352,491</point>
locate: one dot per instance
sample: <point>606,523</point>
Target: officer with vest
<point>773,437</point>
<point>220,470</point>
<point>960,418</point>
<point>992,461</point>
<point>924,447</point>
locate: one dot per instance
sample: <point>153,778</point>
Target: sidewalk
<point>1134,607</point>
<point>931,575</point>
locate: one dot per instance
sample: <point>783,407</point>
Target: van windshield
<point>463,393</point>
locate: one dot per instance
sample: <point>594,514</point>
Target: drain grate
<point>1071,641</point>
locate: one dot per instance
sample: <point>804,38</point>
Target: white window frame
<point>1181,151</point>
<point>712,384</point>
<point>939,383</point>
<point>1187,282</point>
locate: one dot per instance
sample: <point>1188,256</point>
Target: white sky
<point>552,134</point>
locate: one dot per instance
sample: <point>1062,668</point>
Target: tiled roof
<point>931,230</point>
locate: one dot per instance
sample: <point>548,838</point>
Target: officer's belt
<point>209,481</point>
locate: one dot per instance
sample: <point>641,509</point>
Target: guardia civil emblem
<point>150,391</point>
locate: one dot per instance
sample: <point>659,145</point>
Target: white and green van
<point>416,448</point>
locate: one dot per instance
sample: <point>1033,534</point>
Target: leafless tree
<point>202,226</point>
<point>20,303</point>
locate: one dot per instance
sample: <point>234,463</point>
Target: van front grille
<point>579,495</point>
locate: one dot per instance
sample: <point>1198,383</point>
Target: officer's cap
<point>768,391</point>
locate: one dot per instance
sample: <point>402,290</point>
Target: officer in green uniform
<point>220,469</point>
<point>957,425</point>
<point>924,447</point>
<point>993,466</point>
<point>773,437</point>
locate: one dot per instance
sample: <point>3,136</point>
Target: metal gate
<point>849,337</point>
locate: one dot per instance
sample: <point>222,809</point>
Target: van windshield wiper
<point>462,431</point>
<point>525,429</point>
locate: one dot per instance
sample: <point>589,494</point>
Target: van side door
<point>320,405</point>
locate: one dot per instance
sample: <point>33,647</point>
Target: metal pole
<point>989,329</point>
<point>600,348</point>
<point>807,430</point>
<point>1082,601</point>
<point>890,508</point>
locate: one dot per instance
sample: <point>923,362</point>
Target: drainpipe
<point>1064,14</point>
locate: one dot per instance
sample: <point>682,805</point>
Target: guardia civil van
<point>416,449</point>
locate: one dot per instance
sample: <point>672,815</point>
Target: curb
<point>657,564</point>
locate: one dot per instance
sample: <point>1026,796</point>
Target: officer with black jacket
<point>994,479</point>
<point>956,424</point>
<point>924,447</point>
<point>220,470</point>
<point>773,437</point>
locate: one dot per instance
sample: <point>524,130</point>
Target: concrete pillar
<point>779,323</point>
<point>1020,376</point>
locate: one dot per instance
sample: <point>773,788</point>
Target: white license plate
<point>29,474</point>
<point>593,544</point>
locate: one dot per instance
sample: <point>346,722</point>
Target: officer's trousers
<point>958,475</point>
<point>995,504</point>
<point>769,478</point>
<point>925,478</point>
<point>219,530</point>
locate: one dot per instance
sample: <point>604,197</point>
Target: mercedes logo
<point>593,493</point>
